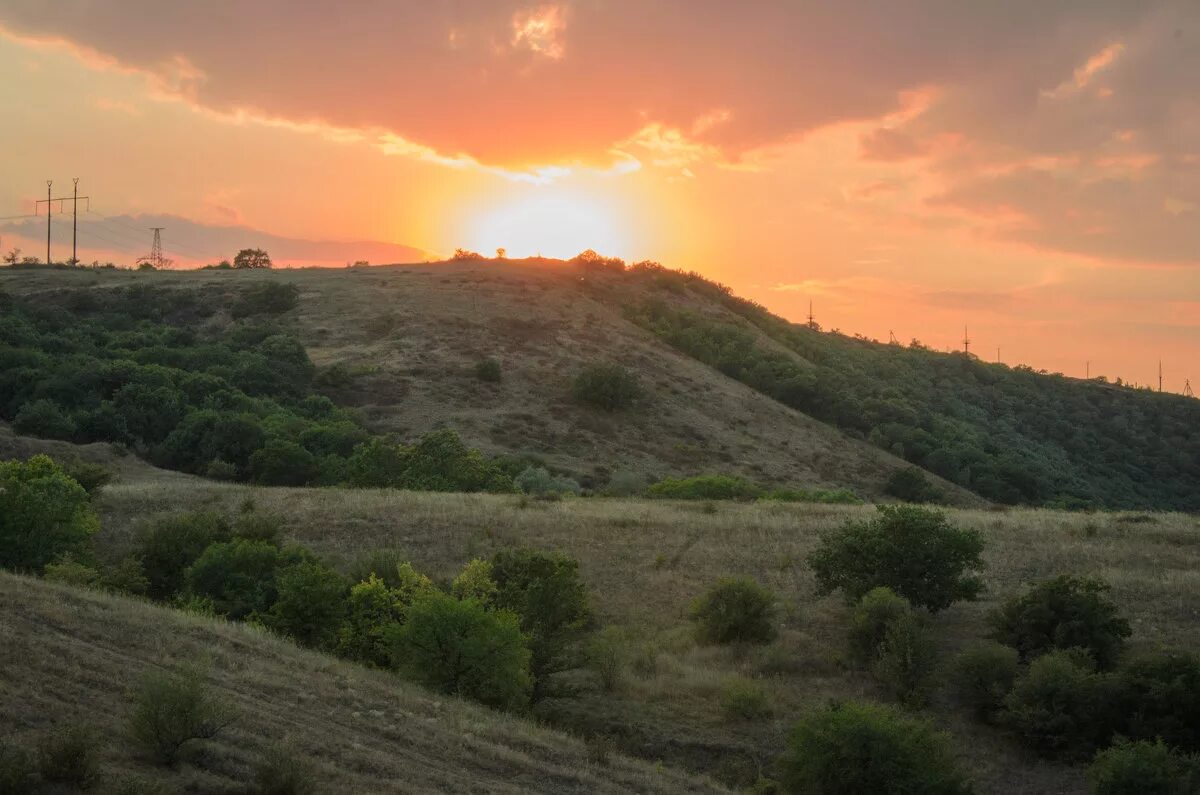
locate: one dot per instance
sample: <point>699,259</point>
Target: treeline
<point>1012,435</point>
<point>204,381</point>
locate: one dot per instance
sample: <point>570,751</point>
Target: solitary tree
<point>252,258</point>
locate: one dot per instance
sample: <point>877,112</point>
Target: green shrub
<point>169,544</point>
<point>735,610</point>
<point>856,748</point>
<point>1161,695</point>
<point>268,298</point>
<point>18,770</point>
<point>44,418</point>
<point>92,477</point>
<point>912,485</point>
<point>461,648</point>
<point>238,576</point>
<point>475,582</point>
<point>310,605</point>
<point>609,387</point>
<point>544,590</point>
<point>825,496</point>
<point>607,653</point>
<point>874,613</point>
<point>127,576</point>
<point>539,482</point>
<point>744,699</point>
<point>1144,768</point>
<point>371,609</point>
<point>172,709</point>
<point>907,660</point>
<point>705,487</point>
<point>914,551</point>
<point>283,463</point>
<point>1061,707</point>
<point>983,675</point>
<point>68,571</point>
<point>1062,613</point>
<point>625,483</point>
<point>70,755</point>
<point>283,771</point>
<point>44,514</point>
<point>488,370</point>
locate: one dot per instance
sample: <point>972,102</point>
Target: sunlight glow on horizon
<point>556,223</point>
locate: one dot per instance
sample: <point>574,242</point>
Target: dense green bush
<point>625,483</point>
<point>44,514</point>
<point>907,659</point>
<point>983,675</point>
<point>371,609</point>
<point>735,610</point>
<point>914,551</point>
<point>609,387</point>
<point>172,709</point>
<point>44,418</point>
<point>1062,613</point>
<point>539,482</point>
<point>238,576</point>
<point>1062,707</point>
<point>878,609</point>
<point>461,648</point>
<point>68,571</point>
<point>488,370</point>
<point>824,496</point>
<point>1161,698</point>
<point>475,581</point>
<point>439,461</point>
<point>1144,768</point>
<point>169,544</point>
<point>268,298</point>
<point>283,463</point>
<point>856,748</point>
<point>912,485</point>
<point>546,593</point>
<point>744,699</point>
<point>310,605</point>
<point>70,755</point>
<point>705,487</point>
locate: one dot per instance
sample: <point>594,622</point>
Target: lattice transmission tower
<point>156,258</point>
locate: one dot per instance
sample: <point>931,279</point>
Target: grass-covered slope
<point>69,657</point>
<point>398,346</point>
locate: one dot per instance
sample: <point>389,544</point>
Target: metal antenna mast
<point>812,323</point>
<point>966,341</point>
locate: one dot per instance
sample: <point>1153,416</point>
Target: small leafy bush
<point>607,655</point>
<point>1062,613</point>
<point>283,771</point>
<point>854,748</point>
<point>539,482</point>
<point>735,610</point>
<point>310,604</point>
<point>705,487</point>
<point>44,514</point>
<point>283,463</point>
<point>907,660</point>
<point>1161,695</point>
<point>168,545</point>
<point>172,709</point>
<point>70,755</point>
<point>268,298</point>
<point>372,608</point>
<point>983,675</point>
<point>238,576</point>
<point>488,370</point>
<point>69,571</point>
<point>878,609</point>
<point>744,699</point>
<point>475,582</point>
<point>824,496</point>
<point>912,550</point>
<point>1062,707</point>
<point>609,387</point>
<point>912,485</point>
<point>461,648</point>
<point>1144,768</point>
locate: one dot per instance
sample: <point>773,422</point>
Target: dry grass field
<point>72,656</point>
<point>411,335</point>
<point>646,560</point>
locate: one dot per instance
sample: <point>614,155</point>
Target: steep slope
<point>400,343</point>
<point>70,656</point>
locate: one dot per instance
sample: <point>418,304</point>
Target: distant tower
<point>892,337</point>
<point>156,254</point>
<point>1187,388</point>
<point>812,321</point>
<point>1160,375</point>
<point>966,341</point>
<point>1087,370</point>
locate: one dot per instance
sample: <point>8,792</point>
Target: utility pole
<point>1160,375</point>
<point>966,342</point>
<point>49,202</point>
<point>997,354</point>
<point>812,323</point>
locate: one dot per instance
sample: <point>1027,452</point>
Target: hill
<point>70,657</point>
<point>398,345</point>
<point>644,561</point>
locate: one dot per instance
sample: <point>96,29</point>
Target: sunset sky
<point>1029,168</point>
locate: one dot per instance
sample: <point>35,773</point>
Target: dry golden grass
<point>70,657</point>
<point>646,560</point>
<point>412,335</point>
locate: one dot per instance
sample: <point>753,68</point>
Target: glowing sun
<point>556,224</point>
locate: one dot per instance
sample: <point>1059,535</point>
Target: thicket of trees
<point>132,366</point>
<point>1013,435</point>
